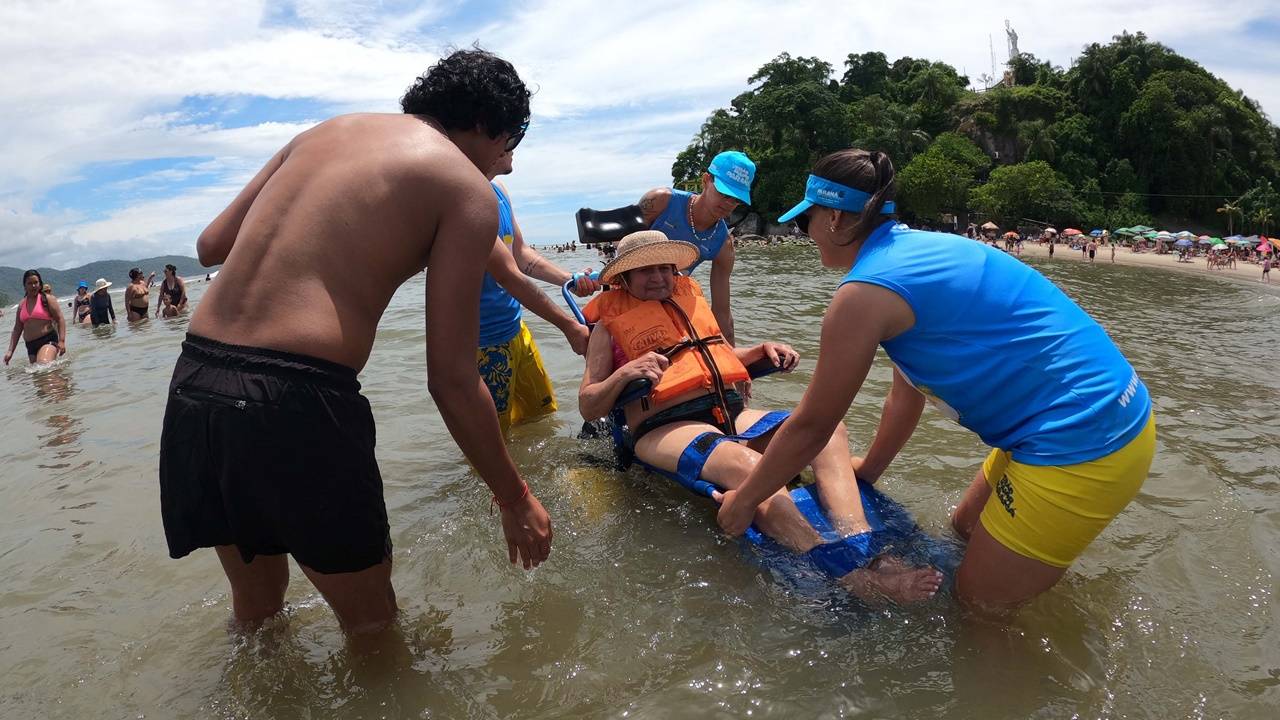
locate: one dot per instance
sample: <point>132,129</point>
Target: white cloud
<point>621,88</point>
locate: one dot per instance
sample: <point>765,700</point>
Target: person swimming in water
<point>39,322</point>
<point>637,334</point>
<point>137,303</point>
<point>173,293</point>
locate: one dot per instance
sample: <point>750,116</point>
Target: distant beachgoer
<point>137,302</point>
<point>1051,244</point>
<point>101,312</point>
<point>1070,423</point>
<point>1092,248</point>
<point>38,322</point>
<point>1113,252</point>
<point>1266,269</point>
<point>173,293</point>
<point>81,308</point>
<point>701,219</point>
<point>507,356</point>
<point>268,445</point>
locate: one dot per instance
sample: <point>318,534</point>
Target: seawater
<point>645,609</point>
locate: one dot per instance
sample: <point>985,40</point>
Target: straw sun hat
<point>649,247</point>
<point>101,284</point>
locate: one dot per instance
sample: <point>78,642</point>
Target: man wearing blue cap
<point>700,219</point>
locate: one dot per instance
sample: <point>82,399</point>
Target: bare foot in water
<point>890,578</point>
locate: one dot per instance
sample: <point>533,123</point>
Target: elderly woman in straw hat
<point>656,324</point>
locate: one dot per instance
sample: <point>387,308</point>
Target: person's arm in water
<point>456,264</point>
<point>17,331</point>
<point>721,270</point>
<point>898,420</point>
<point>502,266</point>
<point>860,317</point>
<point>601,384</point>
<point>60,322</point>
<point>214,244</point>
<point>111,310</point>
<point>532,263</point>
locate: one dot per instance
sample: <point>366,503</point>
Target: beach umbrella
<point>1140,229</point>
<point>1183,242</point>
<point>1071,231</point>
<point>1187,234</point>
<point>1204,240</point>
<point>990,226</point>
<point>1096,232</point>
<point>1126,231</point>
<point>1051,231</point>
<point>1264,248</point>
<point>1164,235</point>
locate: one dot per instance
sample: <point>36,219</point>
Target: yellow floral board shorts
<point>1051,513</point>
<point>516,379</point>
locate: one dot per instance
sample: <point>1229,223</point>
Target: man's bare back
<point>338,220</point>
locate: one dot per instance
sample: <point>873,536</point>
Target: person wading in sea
<point>173,293</point>
<point>700,219</point>
<point>994,346</point>
<point>508,358</point>
<point>39,322</point>
<point>136,301</point>
<point>268,446</point>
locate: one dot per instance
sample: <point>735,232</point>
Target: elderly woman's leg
<point>728,466</point>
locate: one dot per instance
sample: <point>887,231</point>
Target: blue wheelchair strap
<point>845,555</point>
<point>694,457</point>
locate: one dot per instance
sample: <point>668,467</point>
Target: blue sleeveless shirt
<point>674,223</point>
<point>499,312</point>
<point>1003,351</point>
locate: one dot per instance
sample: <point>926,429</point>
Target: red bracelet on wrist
<point>524,493</point>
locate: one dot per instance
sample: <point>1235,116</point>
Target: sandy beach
<point>1124,256</point>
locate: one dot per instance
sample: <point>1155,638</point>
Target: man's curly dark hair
<point>471,88</point>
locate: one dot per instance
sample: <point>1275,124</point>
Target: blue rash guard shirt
<point>499,312</point>
<point>1000,349</point>
<point>674,223</point>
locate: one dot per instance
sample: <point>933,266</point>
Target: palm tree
<point>1230,209</point>
<point>1263,218</point>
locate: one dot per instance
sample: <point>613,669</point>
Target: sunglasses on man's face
<point>514,138</point>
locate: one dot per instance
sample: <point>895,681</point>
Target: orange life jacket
<point>673,328</point>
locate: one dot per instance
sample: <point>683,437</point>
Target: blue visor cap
<point>820,191</point>
<point>733,173</point>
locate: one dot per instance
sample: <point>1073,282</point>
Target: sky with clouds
<point>128,125</point>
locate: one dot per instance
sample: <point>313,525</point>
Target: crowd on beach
<point>1059,470</point>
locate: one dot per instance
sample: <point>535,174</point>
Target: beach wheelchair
<point>893,528</point>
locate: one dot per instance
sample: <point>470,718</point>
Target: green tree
<point>1262,218</point>
<point>1032,190</point>
<point>932,184</point>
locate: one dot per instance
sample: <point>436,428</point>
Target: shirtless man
<point>268,447</point>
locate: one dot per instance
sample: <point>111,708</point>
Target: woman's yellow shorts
<point>1051,513</point>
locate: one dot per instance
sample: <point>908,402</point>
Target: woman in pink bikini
<point>39,322</point>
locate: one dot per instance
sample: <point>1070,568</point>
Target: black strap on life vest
<point>702,346</point>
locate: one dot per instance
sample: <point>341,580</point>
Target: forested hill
<point>1131,132</point>
<point>116,271</point>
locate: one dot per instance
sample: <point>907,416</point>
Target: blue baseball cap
<point>733,173</point>
<point>824,192</point>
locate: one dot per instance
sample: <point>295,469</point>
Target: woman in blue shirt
<point>993,345</point>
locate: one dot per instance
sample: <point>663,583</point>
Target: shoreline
<point>1243,272</point>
